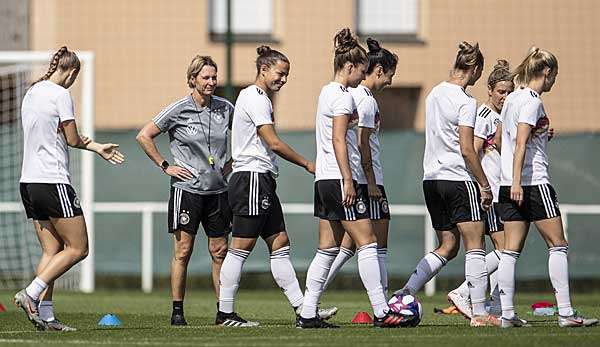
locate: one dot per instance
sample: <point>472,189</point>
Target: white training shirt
<point>525,106</point>
<point>486,125</point>
<point>45,152</point>
<point>335,101</point>
<point>447,107</point>
<point>253,108</point>
<point>368,117</point>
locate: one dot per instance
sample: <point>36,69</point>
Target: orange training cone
<point>362,318</point>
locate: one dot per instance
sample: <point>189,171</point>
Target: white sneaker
<point>576,321</point>
<point>513,322</point>
<point>323,313</point>
<point>463,304</point>
<point>485,321</point>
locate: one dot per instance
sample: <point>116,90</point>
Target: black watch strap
<point>164,165</point>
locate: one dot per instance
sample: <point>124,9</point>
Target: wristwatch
<point>164,165</point>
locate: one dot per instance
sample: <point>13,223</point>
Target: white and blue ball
<point>408,306</point>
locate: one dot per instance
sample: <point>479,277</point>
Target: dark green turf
<point>146,322</point>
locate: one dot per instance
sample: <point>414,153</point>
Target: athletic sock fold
<point>285,276</point>
<point>35,288</point>
<point>231,272</point>
<point>316,276</point>
<point>382,257</point>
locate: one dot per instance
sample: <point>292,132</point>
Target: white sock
<point>285,276</point>
<point>35,288</point>
<point>463,289</point>
<point>315,280</point>
<point>492,260</point>
<point>46,310</point>
<point>476,277</point>
<point>558,268</point>
<point>343,256</point>
<point>428,267</point>
<point>368,268</point>
<point>506,282</point>
<point>231,271</point>
<point>382,257</point>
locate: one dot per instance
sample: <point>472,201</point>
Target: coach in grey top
<point>198,141</point>
<point>198,127</point>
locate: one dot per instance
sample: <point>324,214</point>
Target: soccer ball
<point>407,305</point>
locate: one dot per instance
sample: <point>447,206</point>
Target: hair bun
<point>262,50</point>
<point>373,45</point>
<point>501,64</point>
<point>344,41</point>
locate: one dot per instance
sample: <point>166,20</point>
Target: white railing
<point>148,209</point>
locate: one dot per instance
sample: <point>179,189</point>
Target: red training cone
<point>2,308</point>
<point>362,318</point>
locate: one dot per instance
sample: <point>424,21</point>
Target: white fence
<point>148,209</point>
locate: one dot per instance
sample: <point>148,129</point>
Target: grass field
<point>146,323</point>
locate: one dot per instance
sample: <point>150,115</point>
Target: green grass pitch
<point>146,323</point>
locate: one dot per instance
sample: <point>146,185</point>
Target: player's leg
<point>492,261</point>
<point>549,223</point>
<point>51,245</point>
<point>183,246</point>
<point>330,238</point>
<point>347,250</point>
<point>216,222</point>
<point>184,215</point>
<point>381,227</point>
<point>217,247</point>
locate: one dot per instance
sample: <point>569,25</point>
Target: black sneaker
<point>391,320</point>
<point>233,320</point>
<point>178,319</point>
<point>314,323</point>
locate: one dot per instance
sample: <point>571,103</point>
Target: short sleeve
<point>165,119</point>
<point>343,104</point>
<point>260,111</point>
<point>367,109</point>
<point>64,105</point>
<point>531,112</point>
<point>482,126</point>
<point>467,113</point>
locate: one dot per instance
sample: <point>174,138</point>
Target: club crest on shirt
<point>265,202</point>
<point>76,202</point>
<point>184,217</point>
<point>361,207</point>
<point>541,127</point>
<point>219,117</point>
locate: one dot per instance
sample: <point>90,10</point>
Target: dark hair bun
<point>262,50</point>
<point>466,48</point>
<point>501,64</point>
<point>344,42</point>
<point>373,45</point>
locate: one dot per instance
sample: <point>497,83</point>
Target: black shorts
<point>539,202</point>
<point>493,222</point>
<point>328,201</point>
<point>43,201</point>
<point>255,205</point>
<point>187,210</point>
<point>377,209</point>
<point>452,202</point>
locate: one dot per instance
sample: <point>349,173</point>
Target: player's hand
<point>179,172</point>
<point>109,152</point>
<point>310,167</point>
<point>374,192</point>
<point>550,134</point>
<point>516,194</point>
<point>349,193</point>
<point>486,199</point>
